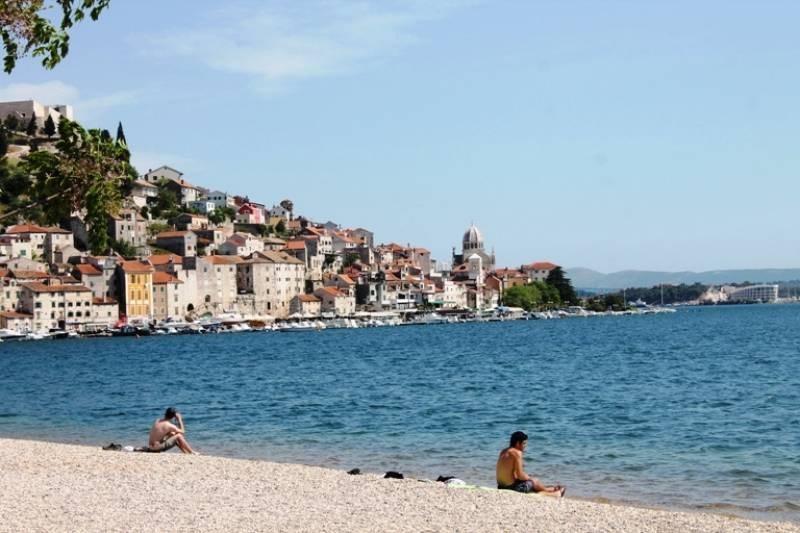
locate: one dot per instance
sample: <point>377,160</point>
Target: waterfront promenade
<point>56,487</point>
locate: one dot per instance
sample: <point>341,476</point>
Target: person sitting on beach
<point>164,435</point>
<point>511,474</point>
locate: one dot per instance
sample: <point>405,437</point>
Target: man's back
<point>161,428</point>
<point>508,464</point>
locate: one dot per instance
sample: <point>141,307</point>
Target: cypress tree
<point>32,128</point>
<point>49,127</point>
<point>3,142</point>
<point>121,136</point>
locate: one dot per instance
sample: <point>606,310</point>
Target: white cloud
<point>283,42</point>
<point>58,92</point>
<point>48,93</point>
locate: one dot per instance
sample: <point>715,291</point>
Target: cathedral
<point>472,245</point>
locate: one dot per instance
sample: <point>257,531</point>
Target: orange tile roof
<point>542,265</point>
<point>33,228</point>
<point>332,291</point>
<point>171,234</point>
<point>308,298</point>
<point>88,270</point>
<point>164,259</point>
<point>36,286</point>
<point>346,279</point>
<point>104,301</point>
<point>29,274</point>
<point>223,259</point>
<point>296,245</point>
<point>136,267</point>
<point>163,278</point>
<point>14,314</point>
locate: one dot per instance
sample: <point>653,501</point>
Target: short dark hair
<point>170,413</point>
<point>518,436</point>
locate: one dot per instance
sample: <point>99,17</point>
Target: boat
<point>11,335</point>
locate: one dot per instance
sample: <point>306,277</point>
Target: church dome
<point>473,237</point>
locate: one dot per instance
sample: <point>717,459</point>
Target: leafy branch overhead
<point>87,174</point>
<point>41,28</point>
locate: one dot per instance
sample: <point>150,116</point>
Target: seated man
<point>511,475</point>
<point>165,435</point>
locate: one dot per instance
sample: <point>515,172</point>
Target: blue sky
<point>611,135</point>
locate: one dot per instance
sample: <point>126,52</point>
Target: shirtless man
<point>511,475</point>
<point>165,435</point>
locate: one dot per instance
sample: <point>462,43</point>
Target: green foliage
<point>532,296</point>
<point>145,212</point>
<point>288,205</point>
<point>3,141</point>
<point>672,293</point>
<point>220,214</point>
<point>350,259</point>
<point>123,248</point>
<point>157,227</point>
<point>85,174</point>
<point>216,217</point>
<point>32,128</point>
<point>280,228</point>
<point>557,279</point>
<point>166,203</point>
<point>121,135</point>
<point>12,123</point>
<point>50,127</point>
<point>613,302</point>
<point>527,297</point>
<point>26,28</point>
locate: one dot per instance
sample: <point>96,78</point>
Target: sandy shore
<point>56,487</point>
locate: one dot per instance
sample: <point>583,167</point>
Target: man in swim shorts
<point>511,474</point>
<point>164,435</point>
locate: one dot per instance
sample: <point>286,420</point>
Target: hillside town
<point>184,251</point>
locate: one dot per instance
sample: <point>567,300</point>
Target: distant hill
<point>587,279</point>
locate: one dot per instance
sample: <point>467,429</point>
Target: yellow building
<point>137,290</point>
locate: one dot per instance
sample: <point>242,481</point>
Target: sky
<point>611,135</point>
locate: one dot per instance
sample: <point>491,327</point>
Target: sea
<point>693,410</point>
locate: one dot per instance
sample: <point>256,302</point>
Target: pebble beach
<point>59,487</point>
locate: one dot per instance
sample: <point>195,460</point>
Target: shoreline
<point>51,486</point>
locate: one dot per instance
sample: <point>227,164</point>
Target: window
<point>38,305</point>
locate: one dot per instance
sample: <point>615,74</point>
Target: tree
<point>3,141</point>
<point>105,135</point>
<point>32,127</point>
<point>86,174</point>
<point>156,227</point>
<point>121,135</point>
<point>288,205</point>
<point>166,204</point>
<point>50,127</point>
<point>12,123</point>
<point>216,217</point>
<point>527,297</point>
<point>123,248</point>
<point>280,227</point>
<point>563,285</point>
<point>26,28</point>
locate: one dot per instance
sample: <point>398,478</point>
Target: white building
<point>25,109</point>
<point>221,199</point>
<point>752,293</point>
<point>241,244</point>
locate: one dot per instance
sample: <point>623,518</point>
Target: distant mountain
<point>587,279</point>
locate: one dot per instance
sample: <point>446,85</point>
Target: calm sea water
<point>696,409</point>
